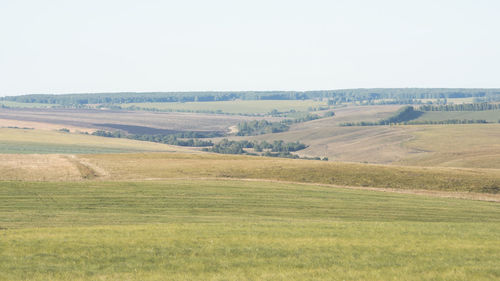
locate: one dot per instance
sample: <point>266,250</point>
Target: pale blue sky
<point>105,46</point>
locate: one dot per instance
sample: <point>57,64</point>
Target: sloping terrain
<point>28,141</point>
<point>87,118</point>
<point>471,146</point>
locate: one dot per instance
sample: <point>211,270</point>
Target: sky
<point>88,46</point>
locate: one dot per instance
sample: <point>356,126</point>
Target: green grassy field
<point>233,107</point>
<point>234,230</point>
<point>22,141</point>
<point>488,115</point>
<point>13,104</point>
<point>172,165</point>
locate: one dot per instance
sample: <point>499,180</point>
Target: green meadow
<point>29,141</point>
<point>240,230</point>
<point>492,116</point>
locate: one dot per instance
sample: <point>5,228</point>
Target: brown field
<point>41,125</point>
<point>467,145</point>
<point>37,167</point>
<point>87,118</point>
<point>472,146</point>
<point>325,138</point>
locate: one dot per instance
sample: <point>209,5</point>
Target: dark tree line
<point>393,95</point>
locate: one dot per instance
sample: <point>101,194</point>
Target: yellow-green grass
<point>41,142</point>
<point>472,145</point>
<point>488,115</point>
<point>15,104</point>
<point>233,107</point>
<point>175,165</point>
<point>233,230</point>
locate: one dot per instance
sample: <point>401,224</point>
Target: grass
<point>153,166</point>
<point>14,104</point>
<point>471,146</point>
<point>21,141</point>
<point>233,230</point>
<point>488,115</point>
<point>233,107</point>
<point>172,165</point>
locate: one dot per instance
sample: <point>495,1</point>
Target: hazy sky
<point>102,46</point>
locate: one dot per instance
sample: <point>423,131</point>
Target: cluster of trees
<point>462,107</point>
<point>403,115</point>
<point>166,139</point>
<point>273,149</point>
<point>308,117</point>
<point>251,128</point>
<point>276,148</point>
<point>389,95</point>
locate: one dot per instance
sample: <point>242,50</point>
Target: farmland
<point>492,116</point>
<point>220,230</point>
<point>100,119</point>
<point>232,107</point>
<point>27,141</point>
<point>399,202</point>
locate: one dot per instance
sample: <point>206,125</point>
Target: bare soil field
<point>5,123</point>
<point>108,119</point>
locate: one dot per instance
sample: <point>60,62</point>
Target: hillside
<point>29,141</point>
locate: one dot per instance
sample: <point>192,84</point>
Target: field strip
<point>444,194</point>
<point>41,125</point>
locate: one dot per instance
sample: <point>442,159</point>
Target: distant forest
<point>383,95</point>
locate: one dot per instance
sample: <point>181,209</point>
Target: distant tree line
<point>461,107</point>
<point>388,95</point>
